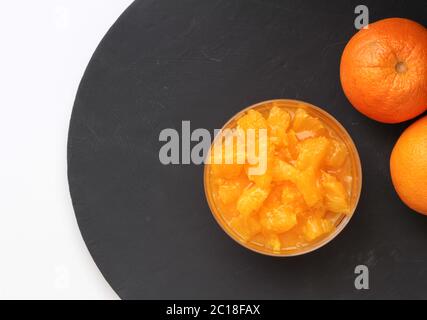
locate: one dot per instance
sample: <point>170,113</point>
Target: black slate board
<point>148,226</point>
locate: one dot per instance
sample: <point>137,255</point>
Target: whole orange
<point>408,166</point>
<point>384,70</point>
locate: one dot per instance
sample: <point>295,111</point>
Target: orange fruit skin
<point>408,166</point>
<point>384,70</point>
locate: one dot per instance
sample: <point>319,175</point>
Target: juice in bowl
<point>283,178</point>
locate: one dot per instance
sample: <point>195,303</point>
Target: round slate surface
<point>148,226</point>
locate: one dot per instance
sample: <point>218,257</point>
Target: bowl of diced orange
<point>307,191</point>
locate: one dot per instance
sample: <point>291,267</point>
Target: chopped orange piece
<point>278,123</point>
<point>308,186</point>
<point>228,171</point>
<point>278,219</point>
<point>272,242</point>
<point>336,198</point>
<point>283,171</point>
<point>246,227</point>
<point>251,199</point>
<point>226,161</point>
<point>337,154</point>
<point>230,190</point>
<point>312,152</point>
<point>291,196</point>
<point>252,120</point>
<point>291,143</point>
<point>263,181</point>
<point>307,126</point>
<point>315,227</point>
<point>319,210</point>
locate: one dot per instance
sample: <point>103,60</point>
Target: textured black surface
<point>148,226</point>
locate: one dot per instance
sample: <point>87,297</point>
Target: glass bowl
<point>355,188</point>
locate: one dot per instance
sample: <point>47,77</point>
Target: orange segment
<point>226,164</point>
<point>307,126</point>
<point>251,199</point>
<point>263,181</point>
<point>246,227</point>
<point>336,197</point>
<point>337,154</point>
<point>230,191</point>
<point>291,144</point>
<point>292,197</point>
<point>312,152</point>
<point>278,219</point>
<point>315,228</point>
<point>252,120</point>
<point>307,184</point>
<point>272,242</point>
<point>278,123</point>
<point>283,171</point>
<point>228,171</point>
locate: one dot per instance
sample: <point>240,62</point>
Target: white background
<point>45,46</point>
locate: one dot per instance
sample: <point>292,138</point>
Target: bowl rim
<point>342,223</point>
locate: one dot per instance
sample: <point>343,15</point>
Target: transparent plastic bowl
<point>356,170</point>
